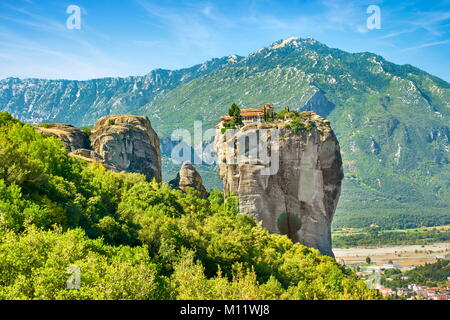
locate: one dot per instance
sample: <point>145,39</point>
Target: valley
<point>404,255</point>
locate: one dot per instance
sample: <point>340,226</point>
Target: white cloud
<point>429,44</point>
<point>185,26</point>
<point>62,54</point>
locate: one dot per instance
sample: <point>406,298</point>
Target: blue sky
<point>122,38</point>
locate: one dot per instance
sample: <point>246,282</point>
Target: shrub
<point>87,131</point>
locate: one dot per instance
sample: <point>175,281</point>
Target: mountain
<point>392,121</point>
<point>81,102</point>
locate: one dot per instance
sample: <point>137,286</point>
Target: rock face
<point>189,177</point>
<point>121,143</point>
<point>91,156</point>
<point>128,143</point>
<point>299,196</point>
<point>88,155</point>
<point>72,137</point>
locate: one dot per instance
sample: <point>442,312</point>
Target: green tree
<point>235,112</point>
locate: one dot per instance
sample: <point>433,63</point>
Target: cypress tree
<point>235,112</point>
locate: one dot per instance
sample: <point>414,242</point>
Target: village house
<point>253,115</point>
<point>387,292</point>
<point>433,293</point>
<point>402,292</point>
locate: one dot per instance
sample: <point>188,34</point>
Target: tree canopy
<point>235,112</point>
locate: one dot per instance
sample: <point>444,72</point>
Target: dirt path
<point>404,255</point>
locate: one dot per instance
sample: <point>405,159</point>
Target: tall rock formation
<point>121,143</point>
<point>128,143</point>
<point>189,177</point>
<point>299,196</point>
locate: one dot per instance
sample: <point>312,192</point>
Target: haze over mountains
<point>392,121</point>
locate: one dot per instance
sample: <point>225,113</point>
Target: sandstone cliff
<point>72,137</point>
<point>189,177</point>
<point>121,143</point>
<point>300,194</point>
<point>128,143</point>
<point>91,156</point>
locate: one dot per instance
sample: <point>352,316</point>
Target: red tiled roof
<point>250,112</point>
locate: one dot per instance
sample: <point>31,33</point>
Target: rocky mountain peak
<point>129,143</point>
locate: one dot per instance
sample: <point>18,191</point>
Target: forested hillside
<point>135,239</point>
<point>432,274</point>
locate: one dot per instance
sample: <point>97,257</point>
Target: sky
<point>124,38</point>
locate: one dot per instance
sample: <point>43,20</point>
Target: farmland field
<point>376,237</point>
<point>405,255</point>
